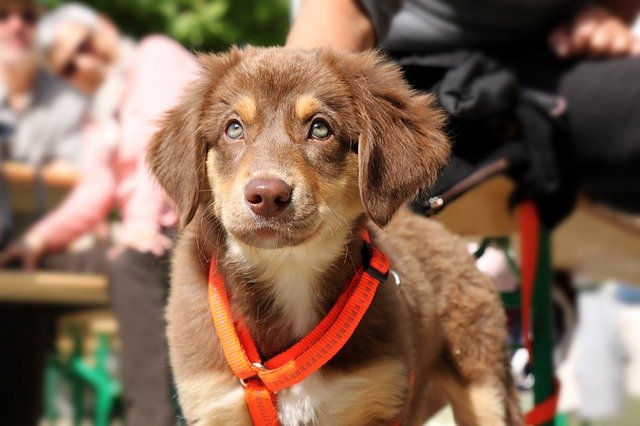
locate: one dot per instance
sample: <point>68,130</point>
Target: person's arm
<point>599,30</point>
<point>87,204</point>
<point>340,24</point>
<point>163,71</point>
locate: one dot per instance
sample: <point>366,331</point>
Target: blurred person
<point>582,50</point>
<point>606,350</point>
<point>40,115</point>
<point>40,121</point>
<point>628,296</point>
<point>132,86</point>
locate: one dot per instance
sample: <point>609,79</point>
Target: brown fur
<point>444,323</point>
<point>246,109</point>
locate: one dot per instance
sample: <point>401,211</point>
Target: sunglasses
<point>29,17</point>
<point>70,68</point>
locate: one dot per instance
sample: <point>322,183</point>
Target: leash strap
<point>529,237</point>
<point>545,411</point>
<point>261,382</point>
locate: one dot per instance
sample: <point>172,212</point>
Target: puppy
<point>277,160</point>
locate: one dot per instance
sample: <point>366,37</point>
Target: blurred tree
<point>199,24</point>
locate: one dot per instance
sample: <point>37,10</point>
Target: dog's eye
<point>319,130</point>
<point>234,130</point>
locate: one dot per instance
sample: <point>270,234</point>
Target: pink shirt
<point>154,76</point>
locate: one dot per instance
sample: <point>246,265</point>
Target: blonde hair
<point>68,13</point>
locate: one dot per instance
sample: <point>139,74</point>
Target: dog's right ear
<point>401,143</point>
<point>177,153</point>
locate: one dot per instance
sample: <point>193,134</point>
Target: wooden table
<point>52,176</point>
<point>53,288</point>
<point>23,183</point>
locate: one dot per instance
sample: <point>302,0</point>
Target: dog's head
<point>280,144</point>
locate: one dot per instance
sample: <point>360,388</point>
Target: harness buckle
<point>367,255</point>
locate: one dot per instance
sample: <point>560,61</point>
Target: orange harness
<point>262,380</point>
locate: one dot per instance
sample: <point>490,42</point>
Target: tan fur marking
<point>227,407</point>
<point>246,109</point>
<point>374,393</point>
<point>487,403</point>
<point>306,106</point>
<point>477,404</point>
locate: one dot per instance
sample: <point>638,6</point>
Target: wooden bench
<point>90,325</point>
<point>45,287</point>
<point>594,240</point>
<point>23,181</point>
<point>53,288</point>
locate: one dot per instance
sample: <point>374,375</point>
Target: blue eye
<point>320,130</point>
<point>235,130</point>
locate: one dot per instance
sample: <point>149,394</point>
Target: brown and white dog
<point>277,158</point>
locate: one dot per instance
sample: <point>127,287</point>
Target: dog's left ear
<point>402,145</point>
<point>178,151</point>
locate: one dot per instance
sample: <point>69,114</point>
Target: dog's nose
<point>267,197</point>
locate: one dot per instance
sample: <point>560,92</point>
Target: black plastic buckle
<point>367,255</point>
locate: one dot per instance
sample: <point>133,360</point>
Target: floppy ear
<point>402,145</point>
<point>177,153</point>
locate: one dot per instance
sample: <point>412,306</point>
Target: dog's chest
<point>300,404</point>
<point>364,397</point>
<point>292,274</point>
<point>318,400</point>
<point>295,294</point>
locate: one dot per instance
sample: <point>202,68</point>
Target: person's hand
<point>594,32</point>
<point>140,239</point>
<point>27,251</point>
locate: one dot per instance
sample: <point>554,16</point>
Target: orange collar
<point>262,380</point>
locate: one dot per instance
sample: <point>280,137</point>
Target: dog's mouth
<point>273,234</point>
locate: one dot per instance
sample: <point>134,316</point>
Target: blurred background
<point>81,341</point>
<point>201,25</point>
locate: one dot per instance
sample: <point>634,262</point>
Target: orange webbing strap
<point>305,357</point>
<point>233,350</point>
<point>261,404</point>
<point>318,354</point>
<point>317,332</point>
<point>324,325</point>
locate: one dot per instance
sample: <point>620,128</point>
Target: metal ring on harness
<point>257,365</point>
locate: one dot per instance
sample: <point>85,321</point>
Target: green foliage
<point>199,24</point>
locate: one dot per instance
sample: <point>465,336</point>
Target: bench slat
<point>53,287</point>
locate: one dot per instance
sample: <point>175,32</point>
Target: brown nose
<point>267,197</point>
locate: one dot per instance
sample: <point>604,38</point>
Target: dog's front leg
<point>208,400</point>
<point>208,392</point>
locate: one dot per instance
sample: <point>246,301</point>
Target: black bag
<point>497,127</point>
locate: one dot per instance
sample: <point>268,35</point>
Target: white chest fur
<point>300,404</point>
<point>294,272</point>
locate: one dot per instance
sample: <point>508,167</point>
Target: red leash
<point>530,249</point>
